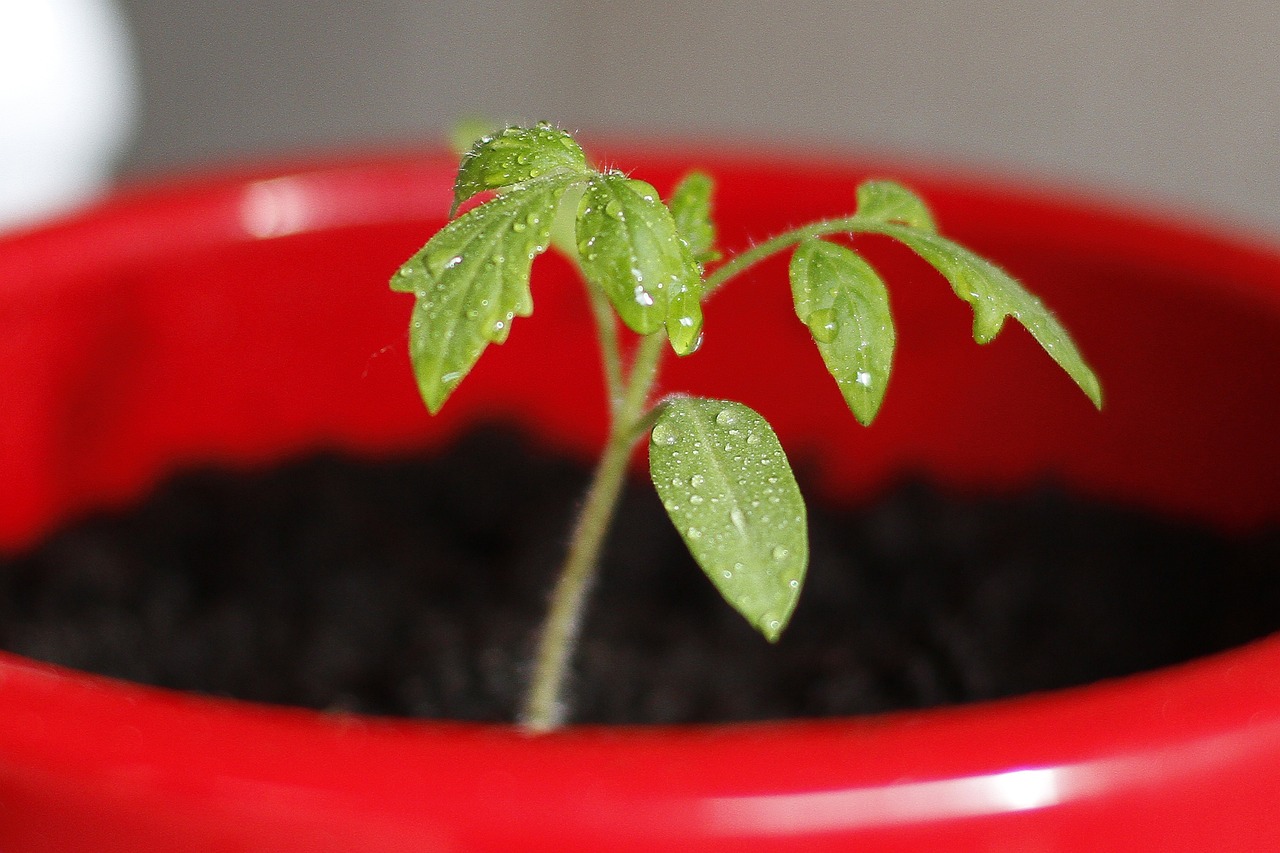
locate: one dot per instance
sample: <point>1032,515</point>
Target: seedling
<point>716,464</point>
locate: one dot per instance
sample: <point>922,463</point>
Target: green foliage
<point>994,295</point>
<point>629,248</point>
<point>716,464</point>
<point>846,307</point>
<point>472,280</point>
<point>691,208</point>
<point>729,490</point>
<point>515,155</point>
<point>892,203</point>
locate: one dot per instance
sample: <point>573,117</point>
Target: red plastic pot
<point>244,318</point>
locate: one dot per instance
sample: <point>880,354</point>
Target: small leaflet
<point>512,156</point>
<point>994,295</point>
<point>691,208</point>
<point>728,488</point>
<point>846,307</point>
<point>471,281</point>
<point>890,202</point>
<point>629,248</point>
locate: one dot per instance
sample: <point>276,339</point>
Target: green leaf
<point>514,155</point>
<point>628,247</point>
<point>472,279</point>
<point>886,201</point>
<point>729,490</point>
<point>691,208</point>
<point>994,295</point>
<point>846,307</point>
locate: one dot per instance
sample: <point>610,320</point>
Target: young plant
<point>716,464</point>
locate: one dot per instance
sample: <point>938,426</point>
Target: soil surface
<point>414,587</point>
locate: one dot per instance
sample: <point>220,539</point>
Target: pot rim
<point>1210,718</point>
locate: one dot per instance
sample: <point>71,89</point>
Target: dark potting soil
<point>414,587</point>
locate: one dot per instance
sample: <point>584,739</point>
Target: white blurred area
<point>67,104</point>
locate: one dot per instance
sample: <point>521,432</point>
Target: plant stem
<point>610,354</point>
<point>543,709</point>
<point>741,262</point>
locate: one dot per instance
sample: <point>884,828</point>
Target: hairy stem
<point>610,354</point>
<point>543,709</point>
<point>741,262</point>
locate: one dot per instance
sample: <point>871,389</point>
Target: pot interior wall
<point>243,319</point>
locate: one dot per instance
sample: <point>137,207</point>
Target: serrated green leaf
<point>514,155</point>
<point>628,247</point>
<point>994,295</point>
<point>472,279</point>
<point>691,208</point>
<point>846,307</point>
<point>729,490</point>
<point>887,201</point>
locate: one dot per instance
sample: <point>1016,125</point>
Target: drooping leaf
<point>472,279</point>
<point>628,247</point>
<point>886,201</point>
<point>994,295</point>
<point>691,209</point>
<point>729,490</point>
<point>514,155</point>
<point>846,307</point>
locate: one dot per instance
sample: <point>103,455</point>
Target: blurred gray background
<point>1169,102</point>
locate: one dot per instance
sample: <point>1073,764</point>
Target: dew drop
<point>693,533</point>
<point>697,481</point>
<point>695,499</point>
<point>643,297</point>
<point>793,583</point>
<point>823,325</point>
<point>664,434</point>
<point>739,520</point>
<point>753,438</point>
<point>518,226</point>
<point>727,574</point>
<point>726,417</point>
<point>780,553</point>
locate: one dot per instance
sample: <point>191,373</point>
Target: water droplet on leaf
<point>664,434</point>
<point>823,325</point>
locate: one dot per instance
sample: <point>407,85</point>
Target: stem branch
<point>543,709</point>
<point>741,262</point>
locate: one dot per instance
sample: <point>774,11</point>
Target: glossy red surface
<point>242,318</point>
